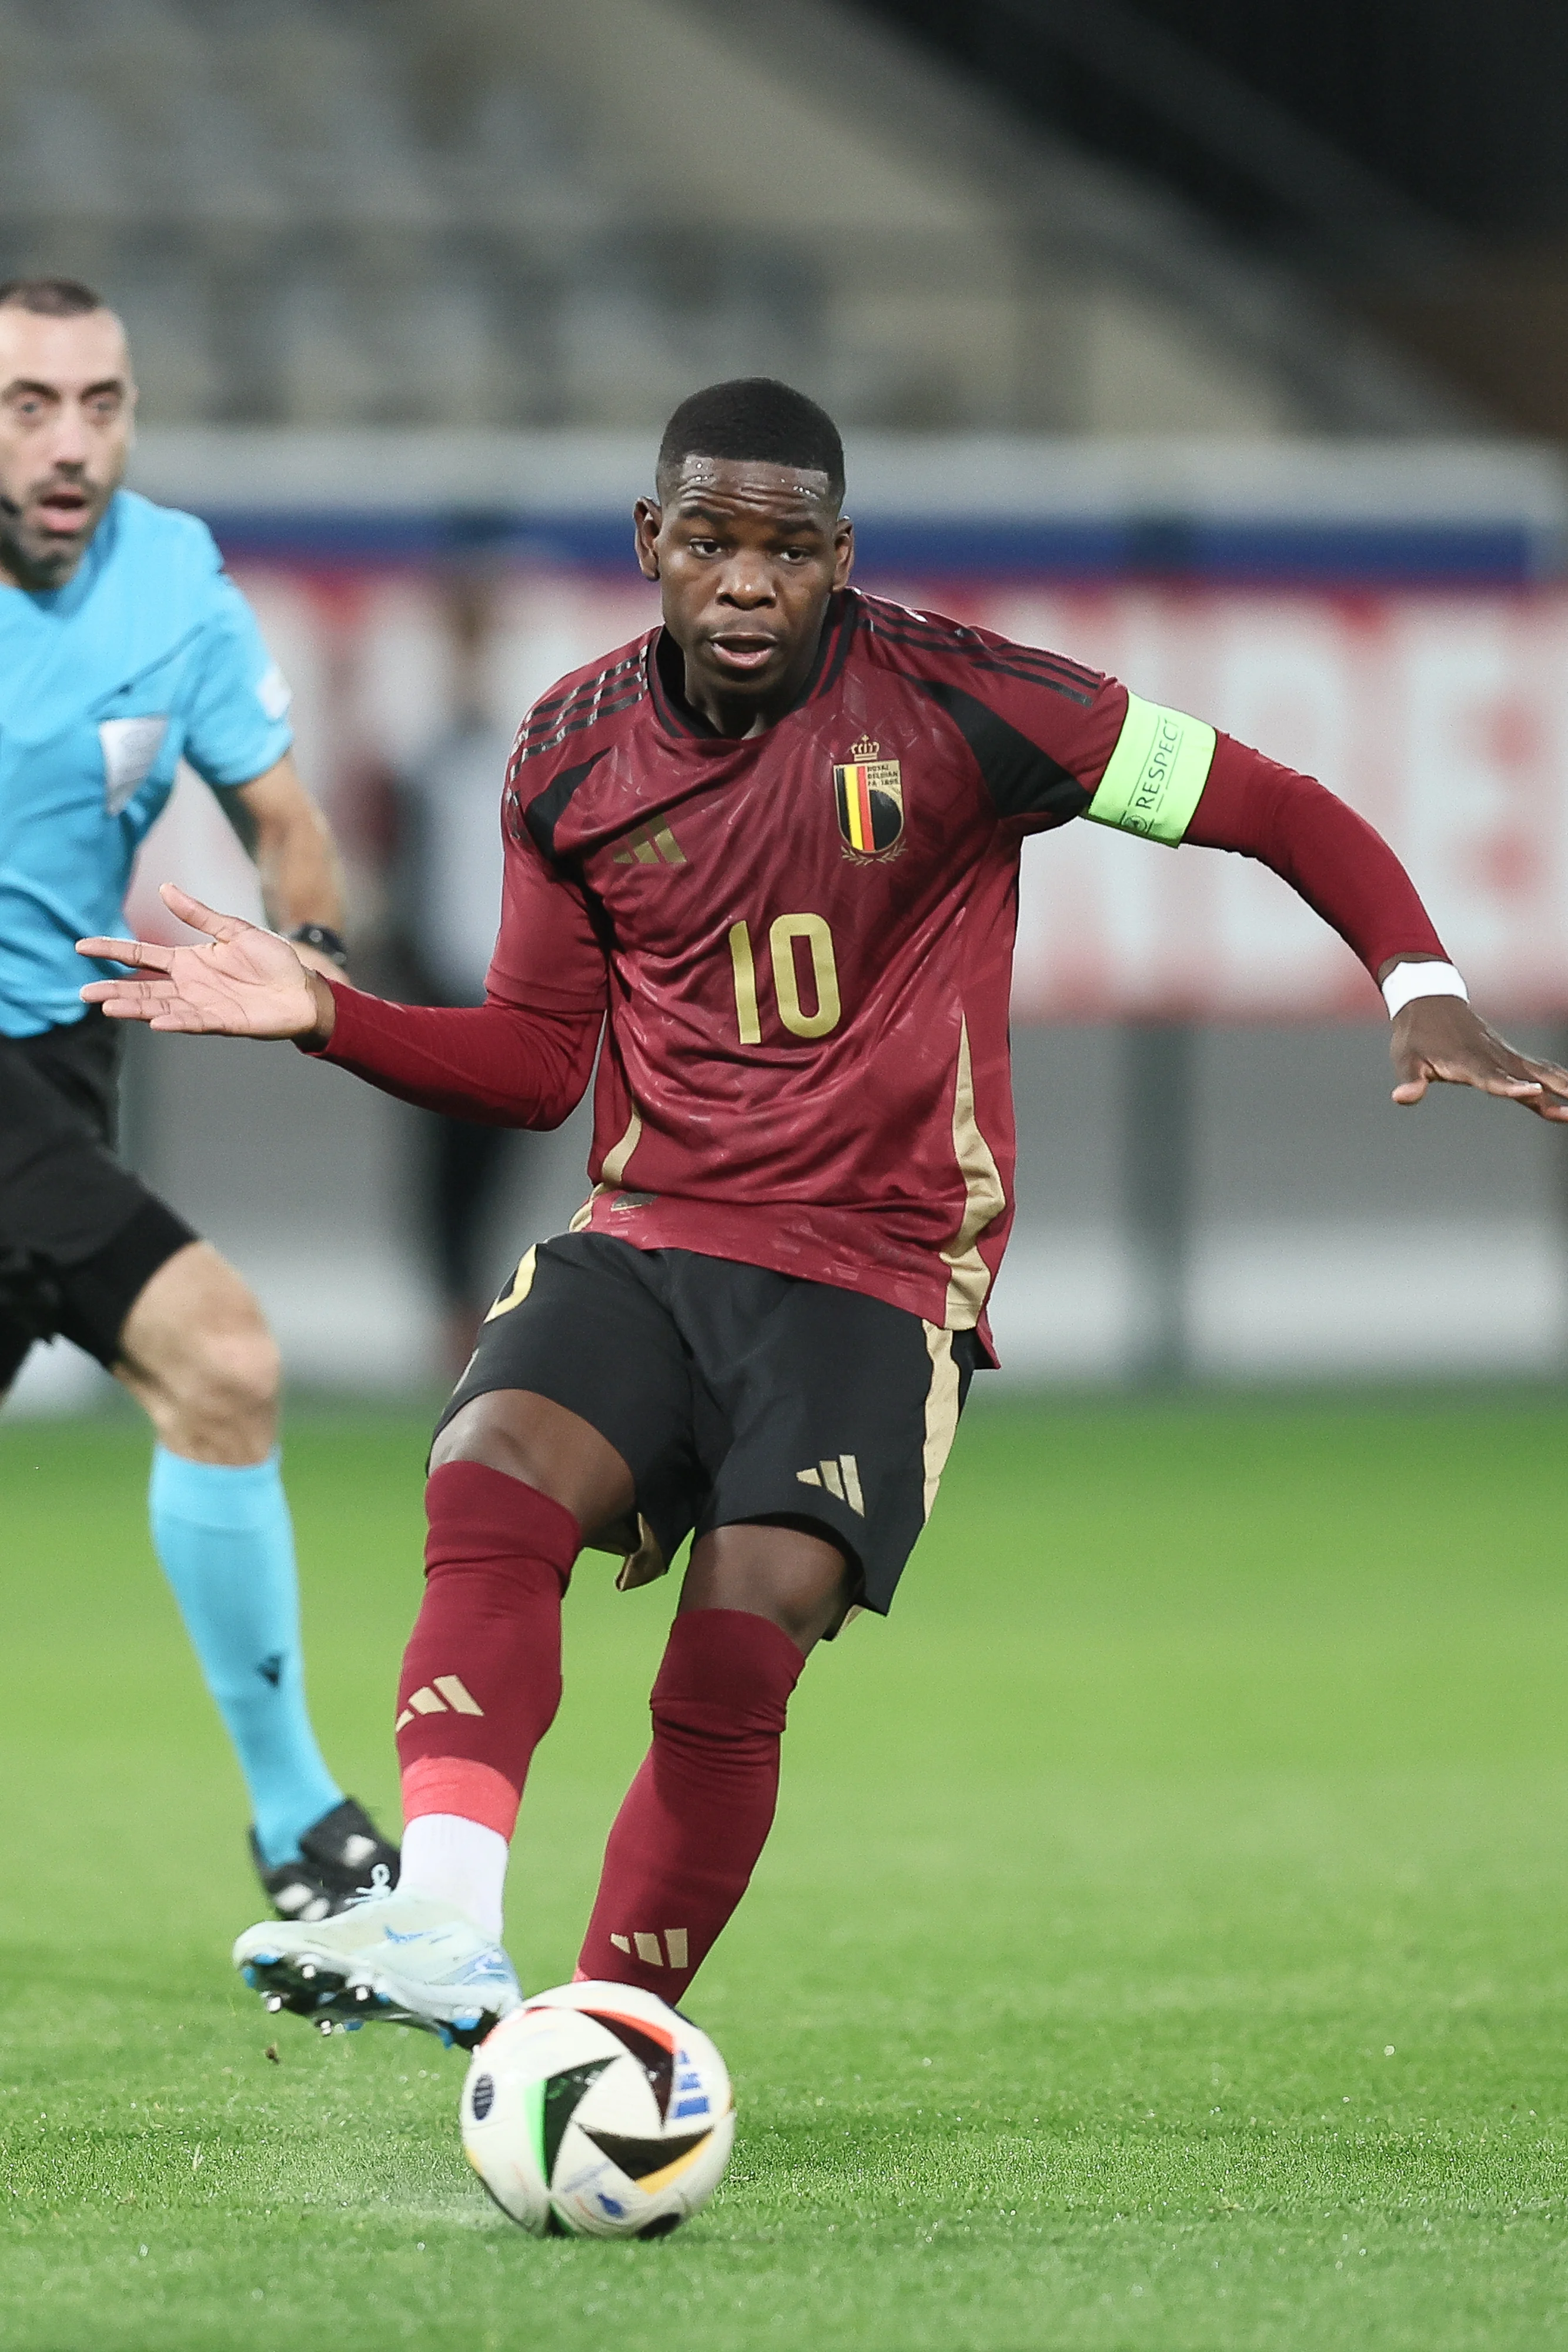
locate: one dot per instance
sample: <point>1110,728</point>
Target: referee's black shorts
<point>79,1234</point>
<point>733,1394</point>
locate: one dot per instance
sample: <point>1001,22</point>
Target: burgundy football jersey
<point>803,939</point>
<point>806,937</point>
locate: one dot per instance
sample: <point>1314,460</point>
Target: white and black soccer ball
<point>596,2111</point>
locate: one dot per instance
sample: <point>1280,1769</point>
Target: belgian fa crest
<point>868,793</point>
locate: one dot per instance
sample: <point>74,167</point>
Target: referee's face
<point>67,398</point>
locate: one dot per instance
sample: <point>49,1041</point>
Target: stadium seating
<point>506,213</point>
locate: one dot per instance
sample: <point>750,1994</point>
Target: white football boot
<point>406,1960</point>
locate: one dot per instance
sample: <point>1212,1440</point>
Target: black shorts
<point>733,1394</point>
<point>79,1234</point>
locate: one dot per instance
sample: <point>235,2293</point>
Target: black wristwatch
<point>324,939</point>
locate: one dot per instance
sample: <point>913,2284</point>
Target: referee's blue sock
<point>227,1544</point>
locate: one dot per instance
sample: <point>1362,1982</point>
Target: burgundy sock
<point>686,1839</point>
<point>481,1675</point>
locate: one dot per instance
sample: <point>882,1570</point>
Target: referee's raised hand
<point>239,981</point>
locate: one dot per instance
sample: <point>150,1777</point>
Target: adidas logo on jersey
<point>651,846</point>
<point>443,1695</point>
<point>650,1951</point>
<point>841,1478</point>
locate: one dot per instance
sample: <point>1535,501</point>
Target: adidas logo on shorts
<point>841,1478</point>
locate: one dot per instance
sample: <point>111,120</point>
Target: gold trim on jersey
<point>612,1169</point>
<point>969,1277</point>
<point>611,1173</point>
<point>941,1409</point>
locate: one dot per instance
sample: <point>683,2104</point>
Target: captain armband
<point>1154,777</point>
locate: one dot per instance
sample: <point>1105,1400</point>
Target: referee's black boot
<point>340,1857</point>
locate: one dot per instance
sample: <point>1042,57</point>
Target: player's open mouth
<point>743,654</point>
<point>63,511</point>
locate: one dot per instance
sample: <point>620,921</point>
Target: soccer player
<point>124,649</point>
<point>771,850</point>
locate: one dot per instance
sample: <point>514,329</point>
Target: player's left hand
<point>1440,1040</point>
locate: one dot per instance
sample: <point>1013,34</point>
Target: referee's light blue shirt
<point>148,656</point>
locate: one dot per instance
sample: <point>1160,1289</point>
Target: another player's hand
<point>1441,1039</point>
<point>239,983</point>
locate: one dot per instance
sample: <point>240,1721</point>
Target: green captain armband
<point>1154,777</point>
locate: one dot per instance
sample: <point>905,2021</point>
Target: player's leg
<point>517,1476</point>
<point>87,1252</point>
<point>755,1601</point>
<point>514,1477</point>
<point>838,1412</point>
<point>197,1353</point>
<point>514,1480</point>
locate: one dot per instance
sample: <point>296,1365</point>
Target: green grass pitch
<point>1161,1943</point>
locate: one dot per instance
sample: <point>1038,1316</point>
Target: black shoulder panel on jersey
<point>1022,780</point>
<point>544,814</point>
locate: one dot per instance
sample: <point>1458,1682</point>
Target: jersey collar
<point>667,675</point>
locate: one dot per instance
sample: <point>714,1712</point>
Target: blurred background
<point>1225,348</point>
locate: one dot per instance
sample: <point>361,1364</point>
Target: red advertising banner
<point>1442,717</point>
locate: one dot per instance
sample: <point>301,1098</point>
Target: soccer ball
<point>596,2111</point>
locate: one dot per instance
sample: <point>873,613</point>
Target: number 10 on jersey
<point>783,933</point>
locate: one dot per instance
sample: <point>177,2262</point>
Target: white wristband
<point>1408,980</point>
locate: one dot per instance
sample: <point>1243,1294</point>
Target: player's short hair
<point>753,416</point>
<point>50,297</point>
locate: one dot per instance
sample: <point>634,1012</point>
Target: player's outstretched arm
<point>239,981</point>
<point>500,1062</point>
<point>1438,1040</point>
<point>1347,873</point>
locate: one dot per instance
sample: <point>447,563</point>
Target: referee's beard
<point>39,555</point>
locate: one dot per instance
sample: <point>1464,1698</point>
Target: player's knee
<point>223,1389</point>
<point>804,1617</point>
<point>791,1570</point>
<point>241,1368</point>
<point>539,1443</point>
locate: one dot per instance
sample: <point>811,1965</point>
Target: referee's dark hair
<point>753,416</point>
<point>50,297</point>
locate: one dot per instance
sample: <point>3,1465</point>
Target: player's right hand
<point>241,981</point>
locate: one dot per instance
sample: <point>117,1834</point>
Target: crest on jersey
<point>868,793</point>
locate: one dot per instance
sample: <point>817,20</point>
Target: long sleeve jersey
<point>799,944</point>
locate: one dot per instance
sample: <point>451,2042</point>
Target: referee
<point>124,648</point>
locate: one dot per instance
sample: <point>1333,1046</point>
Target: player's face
<point>66,399</point>
<point>745,556</point>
